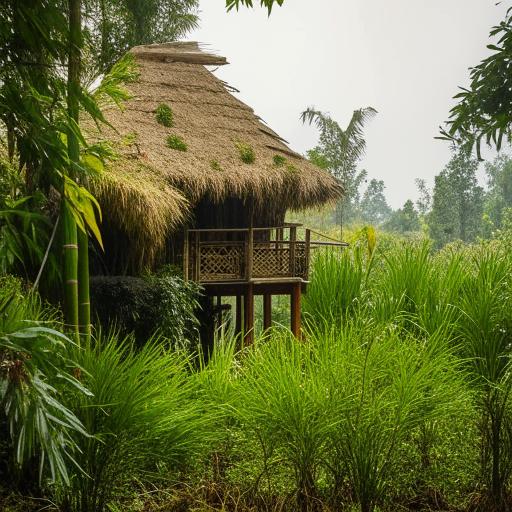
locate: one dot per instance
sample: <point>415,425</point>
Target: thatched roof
<point>215,126</point>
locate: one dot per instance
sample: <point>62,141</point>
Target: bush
<point>162,302</point>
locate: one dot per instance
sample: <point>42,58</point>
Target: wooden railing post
<point>293,239</point>
<point>249,254</point>
<point>307,253</point>
<point>185,255</point>
<point>197,266</point>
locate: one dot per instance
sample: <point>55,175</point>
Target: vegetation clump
<point>215,165</point>
<point>279,160</point>
<point>177,143</point>
<point>164,115</point>
<point>246,152</point>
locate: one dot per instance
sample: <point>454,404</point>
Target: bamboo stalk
<point>70,259</point>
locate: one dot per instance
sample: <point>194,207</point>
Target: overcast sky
<point>405,58</point>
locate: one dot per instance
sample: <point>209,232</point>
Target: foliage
<point>113,27</point>
<point>483,111</point>
<point>164,115</point>
<point>279,160</point>
<point>457,204</point>
<point>35,373</point>
<point>373,206</point>
<point>404,220</point>
<point>140,415</point>
<point>424,201</point>
<point>499,194</point>
<point>246,152</point>
<point>339,151</point>
<point>161,302</point>
<point>215,165</point>
<point>249,3</point>
<point>177,143</point>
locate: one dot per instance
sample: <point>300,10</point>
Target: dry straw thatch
<point>215,128</point>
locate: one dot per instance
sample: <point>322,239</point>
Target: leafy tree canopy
<point>457,205</point>
<point>484,110</point>
<point>230,4</point>
<point>115,26</point>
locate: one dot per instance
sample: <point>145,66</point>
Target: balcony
<point>248,255</point>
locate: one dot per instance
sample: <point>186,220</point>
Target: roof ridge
<point>190,52</point>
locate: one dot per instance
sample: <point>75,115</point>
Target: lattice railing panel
<point>271,261</point>
<point>221,263</point>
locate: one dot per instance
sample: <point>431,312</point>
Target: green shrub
<point>246,152</point>
<point>161,302</point>
<point>177,143</point>
<point>164,115</point>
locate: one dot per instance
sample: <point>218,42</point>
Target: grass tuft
<point>279,160</point>
<point>177,143</point>
<point>164,115</point>
<point>246,152</point>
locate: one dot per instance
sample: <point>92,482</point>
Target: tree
<point>114,26</point>
<point>424,201</point>
<point>499,194</point>
<point>339,152</point>
<point>374,207</point>
<point>484,110</point>
<point>404,220</point>
<point>457,205</point>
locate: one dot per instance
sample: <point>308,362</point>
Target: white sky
<point>405,58</point>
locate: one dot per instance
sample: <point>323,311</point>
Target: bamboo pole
<point>70,260</point>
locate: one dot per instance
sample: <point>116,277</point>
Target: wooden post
<point>185,255</point>
<point>295,309</point>
<point>307,250</point>
<point>293,239</point>
<point>238,316</point>
<point>249,247</point>
<point>249,315</point>
<point>197,251</point>
<point>267,311</point>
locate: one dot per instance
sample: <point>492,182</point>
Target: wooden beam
<point>295,310</point>
<point>238,316</point>
<point>249,315</point>
<point>267,311</point>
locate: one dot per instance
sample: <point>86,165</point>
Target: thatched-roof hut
<point>191,153</point>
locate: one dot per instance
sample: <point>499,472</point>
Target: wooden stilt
<point>238,315</point>
<point>249,315</point>
<point>267,311</point>
<point>295,309</point>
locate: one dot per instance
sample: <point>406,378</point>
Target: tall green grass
<point>142,418</point>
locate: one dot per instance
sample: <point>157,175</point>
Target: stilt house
<point>201,181</point>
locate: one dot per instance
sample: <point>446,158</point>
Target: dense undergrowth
<point>396,398</point>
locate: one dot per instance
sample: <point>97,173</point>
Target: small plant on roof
<point>215,165</point>
<point>129,139</point>
<point>291,168</point>
<point>164,115</point>
<point>246,152</point>
<point>279,160</point>
<point>177,143</point>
